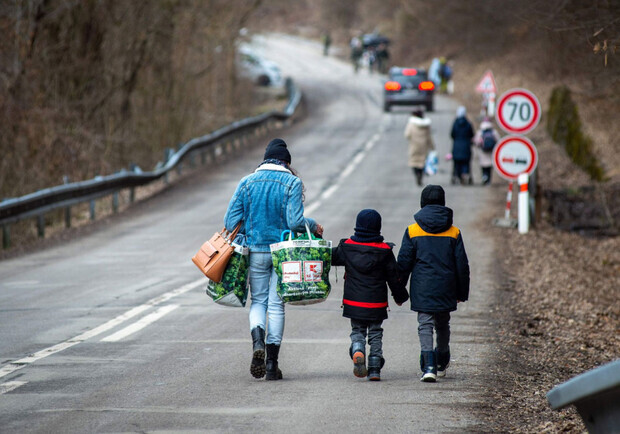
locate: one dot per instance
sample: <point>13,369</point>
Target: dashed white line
<point>139,325</point>
<point>10,385</point>
<point>345,173</point>
<point>22,363</point>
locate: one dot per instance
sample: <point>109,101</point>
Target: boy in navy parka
<point>432,251</point>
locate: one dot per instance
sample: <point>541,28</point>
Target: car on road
<point>408,87</point>
<point>259,70</point>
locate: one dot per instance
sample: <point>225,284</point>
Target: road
<point>113,332</point>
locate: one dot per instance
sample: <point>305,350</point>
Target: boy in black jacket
<point>433,252</point>
<point>369,263</point>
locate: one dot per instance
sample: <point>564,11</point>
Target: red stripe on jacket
<point>362,304</point>
<point>379,245</point>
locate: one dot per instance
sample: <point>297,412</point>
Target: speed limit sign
<point>518,111</point>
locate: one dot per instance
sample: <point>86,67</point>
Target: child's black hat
<point>433,195</point>
<point>368,227</point>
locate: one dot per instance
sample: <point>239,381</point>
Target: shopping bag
<point>302,263</point>
<point>232,290</point>
<point>213,255</point>
<point>430,165</point>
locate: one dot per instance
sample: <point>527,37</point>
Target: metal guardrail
<point>596,394</point>
<point>39,203</point>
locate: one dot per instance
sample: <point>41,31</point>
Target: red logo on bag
<point>313,270</point>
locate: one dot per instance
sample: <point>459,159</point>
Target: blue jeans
<point>267,308</point>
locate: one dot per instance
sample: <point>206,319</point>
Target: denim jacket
<point>268,201</point>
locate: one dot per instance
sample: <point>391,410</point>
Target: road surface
<point>113,332</point>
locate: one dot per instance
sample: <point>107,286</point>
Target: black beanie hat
<point>276,149</point>
<point>368,227</point>
<point>432,195</point>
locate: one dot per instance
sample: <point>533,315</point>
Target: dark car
<point>409,87</point>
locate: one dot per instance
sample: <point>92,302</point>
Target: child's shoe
<point>359,359</point>
<point>443,361</point>
<point>428,366</point>
<point>375,363</point>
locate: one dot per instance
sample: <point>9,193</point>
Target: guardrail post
<point>6,236</point>
<point>41,226</point>
<point>167,154</point>
<point>115,202</point>
<point>92,210</point>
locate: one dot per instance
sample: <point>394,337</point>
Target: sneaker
<point>359,364</point>
<point>429,377</point>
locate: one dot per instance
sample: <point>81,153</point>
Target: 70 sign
<point>518,111</point>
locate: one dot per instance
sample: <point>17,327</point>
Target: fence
<point>225,139</point>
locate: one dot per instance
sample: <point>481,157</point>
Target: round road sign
<point>518,111</point>
<point>514,155</point>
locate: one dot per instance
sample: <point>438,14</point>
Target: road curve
<point>113,332</point>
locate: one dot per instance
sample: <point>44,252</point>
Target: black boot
<point>257,368</point>
<point>375,363</point>
<point>428,366</point>
<point>358,355</point>
<point>273,372</point>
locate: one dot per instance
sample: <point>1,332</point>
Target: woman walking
<point>418,132</point>
<point>268,201</point>
<point>462,135</point>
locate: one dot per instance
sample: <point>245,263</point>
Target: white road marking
<point>22,363</point>
<point>10,385</point>
<point>357,159</point>
<point>140,324</point>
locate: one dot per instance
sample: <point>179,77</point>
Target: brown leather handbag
<point>214,254</point>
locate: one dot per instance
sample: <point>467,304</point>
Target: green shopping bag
<point>302,264</point>
<point>233,289</point>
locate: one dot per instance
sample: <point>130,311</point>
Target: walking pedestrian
<point>370,267</point>
<point>433,253</point>
<point>418,132</point>
<point>462,134</point>
<point>268,201</point>
<point>485,140</point>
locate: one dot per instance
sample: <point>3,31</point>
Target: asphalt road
<point>113,332</point>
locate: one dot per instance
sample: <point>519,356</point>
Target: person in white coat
<point>418,132</point>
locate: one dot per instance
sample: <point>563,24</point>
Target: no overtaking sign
<point>514,155</point>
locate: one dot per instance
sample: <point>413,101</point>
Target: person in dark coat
<point>370,266</point>
<point>432,251</point>
<point>462,134</point>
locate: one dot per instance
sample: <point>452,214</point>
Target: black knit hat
<point>276,149</point>
<point>368,227</point>
<point>432,195</point>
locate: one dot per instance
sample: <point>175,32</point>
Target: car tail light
<point>392,85</point>
<point>426,85</point>
<point>410,71</point>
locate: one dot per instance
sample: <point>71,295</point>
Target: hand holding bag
<point>302,265</point>
<point>214,254</point>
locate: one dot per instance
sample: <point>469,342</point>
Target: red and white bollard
<point>524,204</point>
<point>508,201</point>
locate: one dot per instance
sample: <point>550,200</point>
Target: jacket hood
<point>363,256</point>
<point>420,122</point>
<point>434,219</point>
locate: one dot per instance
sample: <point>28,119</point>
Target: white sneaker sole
<point>429,378</point>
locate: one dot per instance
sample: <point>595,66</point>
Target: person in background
<point>327,41</point>
<point>268,202</point>
<point>433,253</point>
<point>485,140</point>
<point>418,132</point>
<point>370,267</point>
<point>462,134</point>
